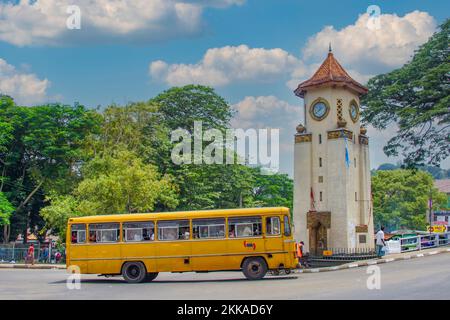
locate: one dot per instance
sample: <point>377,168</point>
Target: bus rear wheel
<point>254,268</point>
<point>134,272</point>
<point>151,276</point>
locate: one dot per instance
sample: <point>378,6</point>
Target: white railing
<point>424,241</point>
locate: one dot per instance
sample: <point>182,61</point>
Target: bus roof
<point>178,215</point>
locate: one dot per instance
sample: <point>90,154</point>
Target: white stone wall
<point>302,178</point>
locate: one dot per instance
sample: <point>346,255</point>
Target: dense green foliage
<point>6,209</point>
<point>436,172</point>
<point>62,161</point>
<point>417,98</point>
<point>400,198</point>
<point>40,150</point>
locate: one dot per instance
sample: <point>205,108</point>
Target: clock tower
<point>332,195</point>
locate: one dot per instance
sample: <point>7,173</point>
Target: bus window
<point>173,230</point>
<point>208,228</point>
<point>104,232</point>
<point>138,231</point>
<point>78,233</point>
<point>273,226</point>
<point>287,226</point>
<point>244,227</point>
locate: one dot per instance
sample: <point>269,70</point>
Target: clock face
<point>354,112</point>
<point>320,110</point>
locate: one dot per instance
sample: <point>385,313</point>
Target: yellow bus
<point>139,246</point>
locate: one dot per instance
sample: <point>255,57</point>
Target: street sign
<point>437,229</point>
<point>327,253</point>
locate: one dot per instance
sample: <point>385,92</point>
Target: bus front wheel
<point>134,272</point>
<point>254,268</point>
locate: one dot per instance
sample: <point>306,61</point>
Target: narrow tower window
<point>320,195</point>
<point>320,162</point>
<point>356,196</point>
<point>320,139</point>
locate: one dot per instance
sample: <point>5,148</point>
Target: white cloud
<point>221,66</point>
<point>266,112</point>
<point>43,22</point>
<point>365,52</point>
<point>25,88</point>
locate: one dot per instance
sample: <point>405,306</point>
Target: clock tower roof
<point>330,73</point>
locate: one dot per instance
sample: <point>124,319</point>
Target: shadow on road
<point>119,280</point>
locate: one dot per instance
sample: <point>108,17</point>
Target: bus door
<point>289,243</point>
<point>174,246</point>
<point>209,244</point>
<point>273,240</point>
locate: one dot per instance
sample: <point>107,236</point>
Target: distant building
<point>442,216</point>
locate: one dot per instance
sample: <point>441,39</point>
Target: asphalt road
<point>421,278</point>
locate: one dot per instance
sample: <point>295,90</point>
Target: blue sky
<point>263,48</point>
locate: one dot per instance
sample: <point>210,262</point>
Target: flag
<point>313,202</point>
<point>347,156</point>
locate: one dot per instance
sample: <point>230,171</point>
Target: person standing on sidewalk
<point>380,242</point>
<point>30,254</point>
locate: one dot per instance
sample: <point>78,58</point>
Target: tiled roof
<point>443,185</point>
<point>330,72</point>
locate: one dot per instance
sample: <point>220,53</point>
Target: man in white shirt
<point>380,242</point>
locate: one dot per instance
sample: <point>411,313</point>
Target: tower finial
<point>329,47</point>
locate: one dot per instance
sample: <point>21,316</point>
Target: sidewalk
<point>29,266</point>
<point>385,259</point>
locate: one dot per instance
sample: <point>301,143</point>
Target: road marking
<point>353,265</point>
<point>432,252</point>
<point>389,259</point>
<point>371,262</point>
<point>315,270</point>
<point>419,255</point>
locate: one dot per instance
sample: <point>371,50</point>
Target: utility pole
<point>430,206</point>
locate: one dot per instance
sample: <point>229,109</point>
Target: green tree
<point>123,184</point>
<point>61,208</point>
<point>276,190</point>
<point>112,184</point>
<point>181,106</point>
<point>40,151</point>
<point>417,98</point>
<point>214,186</point>
<point>6,209</point>
<point>400,198</point>
<point>203,186</point>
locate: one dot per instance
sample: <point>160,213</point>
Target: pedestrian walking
<point>380,243</point>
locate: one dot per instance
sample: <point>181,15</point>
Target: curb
<point>373,262</point>
<point>26,266</point>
